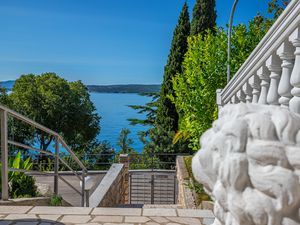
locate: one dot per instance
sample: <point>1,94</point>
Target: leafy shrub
<point>21,185</point>
<point>56,200</point>
<point>204,72</point>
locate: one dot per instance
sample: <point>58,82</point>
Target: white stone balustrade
<point>248,91</point>
<point>250,160</point>
<point>255,85</point>
<point>295,77</point>
<point>234,99</point>
<point>274,65</point>
<point>241,96</point>
<point>263,74</point>
<point>286,54</point>
<point>271,74</point>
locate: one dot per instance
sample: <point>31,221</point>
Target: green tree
<point>276,7</point>
<point>149,109</point>
<point>62,106</point>
<point>204,73</point>
<point>166,123</point>
<point>4,96</point>
<point>99,155</point>
<point>124,142</point>
<point>204,16</point>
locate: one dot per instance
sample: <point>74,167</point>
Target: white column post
<point>263,74</point>
<point>286,54</point>
<point>241,95</point>
<point>234,99</point>
<point>254,82</point>
<point>295,77</point>
<point>248,91</point>
<point>274,65</point>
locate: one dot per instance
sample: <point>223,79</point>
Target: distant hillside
<point>7,84</point>
<point>127,88</point>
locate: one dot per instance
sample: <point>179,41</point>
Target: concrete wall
<point>113,189</point>
<point>185,196</point>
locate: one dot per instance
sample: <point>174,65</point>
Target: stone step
<point>103,216</point>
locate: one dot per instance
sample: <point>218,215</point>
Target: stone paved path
<point>28,215</point>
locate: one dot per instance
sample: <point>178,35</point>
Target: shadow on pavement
<point>29,222</point>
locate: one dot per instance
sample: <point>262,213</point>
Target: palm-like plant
<point>21,185</point>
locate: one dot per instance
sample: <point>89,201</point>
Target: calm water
<point>114,110</point>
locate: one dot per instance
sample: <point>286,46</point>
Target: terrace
<point>270,76</point>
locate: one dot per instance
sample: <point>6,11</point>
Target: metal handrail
<point>58,140</point>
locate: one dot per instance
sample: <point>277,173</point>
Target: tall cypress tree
<point>166,123</point>
<point>204,16</point>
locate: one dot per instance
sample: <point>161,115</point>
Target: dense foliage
<point>204,16</point>
<point>124,142</point>
<point>205,72</point>
<point>21,185</point>
<point>62,106</point>
<point>166,123</point>
<point>277,6</point>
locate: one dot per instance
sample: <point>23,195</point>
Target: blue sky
<point>96,41</point>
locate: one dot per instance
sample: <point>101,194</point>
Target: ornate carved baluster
<point>234,99</point>
<point>241,96</point>
<point>248,91</point>
<point>286,54</point>
<point>274,65</point>
<point>263,74</point>
<point>295,77</point>
<point>254,82</point>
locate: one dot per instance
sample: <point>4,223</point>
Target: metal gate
<point>157,187</point>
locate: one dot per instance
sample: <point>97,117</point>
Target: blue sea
<point>114,111</point>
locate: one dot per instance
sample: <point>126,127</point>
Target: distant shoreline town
<point>121,88</point>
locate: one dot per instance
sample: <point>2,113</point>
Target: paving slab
<point>75,219</point>
<point>50,217</point>
<point>136,219</point>
<point>185,220</point>
<point>44,215</point>
<point>195,213</point>
<point>208,221</point>
<point>61,210</point>
<point>118,224</point>
<point>117,211</point>
<point>159,212</point>
<point>14,209</point>
<point>20,217</point>
<point>152,223</point>
<point>160,219</point>
<point>88,224</point>
<point>108,219</point>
